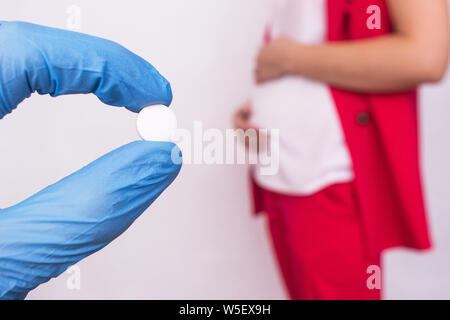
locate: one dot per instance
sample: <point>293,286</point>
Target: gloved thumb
<point>74,218</point>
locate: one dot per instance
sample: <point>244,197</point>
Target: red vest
<point>381,132</point>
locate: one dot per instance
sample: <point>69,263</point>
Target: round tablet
<point>156,123</point>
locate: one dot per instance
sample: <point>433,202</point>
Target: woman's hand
<point>416,52</point>
<point>242,118</point>
<point>242,122</point>
<point>274,60</point>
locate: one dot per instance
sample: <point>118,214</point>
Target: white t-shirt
<point>313,153</point>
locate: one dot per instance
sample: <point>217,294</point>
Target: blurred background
<point>199,240</point>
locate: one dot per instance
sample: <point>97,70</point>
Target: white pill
<point>156,123</point>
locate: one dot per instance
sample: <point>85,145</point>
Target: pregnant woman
<point>339,78</point>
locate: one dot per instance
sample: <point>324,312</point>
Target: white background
<point>198,241</point>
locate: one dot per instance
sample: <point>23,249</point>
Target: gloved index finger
<point>58,62</point>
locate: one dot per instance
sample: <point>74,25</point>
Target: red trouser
<point>319,244</point>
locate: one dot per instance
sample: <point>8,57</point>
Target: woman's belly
<point>312,151</point>
<point>293,105</point>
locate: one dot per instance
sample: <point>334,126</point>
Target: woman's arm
<point>417,52</point>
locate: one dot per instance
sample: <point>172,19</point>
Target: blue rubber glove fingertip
<point>169,95</point>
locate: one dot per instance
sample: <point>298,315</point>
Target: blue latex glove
<point>72,219</point>
<point>56,62</point>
